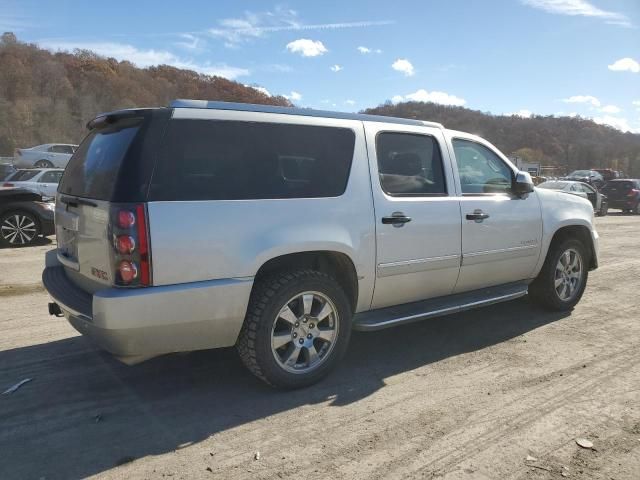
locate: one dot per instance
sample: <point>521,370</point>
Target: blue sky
<point>561,57</point>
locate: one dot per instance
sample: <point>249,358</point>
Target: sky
<point>523,57</point>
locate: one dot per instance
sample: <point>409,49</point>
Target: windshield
<point>23,175</point>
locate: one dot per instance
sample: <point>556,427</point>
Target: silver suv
<point>279,230</point>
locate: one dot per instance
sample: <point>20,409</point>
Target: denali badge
<point>101,274</point>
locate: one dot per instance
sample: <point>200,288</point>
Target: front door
<point>417,214</point>
<point>501,233</point>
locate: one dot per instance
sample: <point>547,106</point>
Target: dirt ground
<point>461,397</point>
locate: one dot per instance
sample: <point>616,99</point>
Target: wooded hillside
<point>49,97</point>
<point>569,143</point>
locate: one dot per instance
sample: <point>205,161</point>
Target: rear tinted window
<point>619,185</point>
<point>93,169</point>
<point>228,160</point>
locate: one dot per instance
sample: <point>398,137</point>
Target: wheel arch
<point>580,232</point>
<point>337,264</point>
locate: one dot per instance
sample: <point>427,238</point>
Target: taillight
<point>130,245</point>
<point>7,184</point>
<point>633,192</point>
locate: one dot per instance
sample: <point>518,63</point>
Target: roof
<point>307,112</point>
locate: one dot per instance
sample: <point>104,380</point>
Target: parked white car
<point>279,230</point>
<point>39,180</point>
<point>49,155</point>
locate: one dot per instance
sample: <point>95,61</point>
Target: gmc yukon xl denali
<point>279,230</point>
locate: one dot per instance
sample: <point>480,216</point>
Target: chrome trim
<point>417,265</point>
<point>475,258</point>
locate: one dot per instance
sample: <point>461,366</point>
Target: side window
<point>573,187</point>
<point>481,170</point>
<point>50,177</point>
<point>232,160</point>
<point>410,164</point>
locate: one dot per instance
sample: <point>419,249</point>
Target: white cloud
<point>625,65</point>
<point>616,122</point>
<point>336,68</point>
<point>260,89</point>
<point>293,96</point>
<point>610,109</point>
<point>578,8</point>
<point>636,103</point>
<point>366,50</point>
<point>190,42</point>
<point>307,48</point>
<point>403,65</point>
<point>252,25</point>
<point>523,113</point>
<point>350,102</point>
<point>148,58</point>
<point>583,99</point>
<point>435,97</point>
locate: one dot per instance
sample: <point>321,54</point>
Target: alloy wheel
<point>568,275</point>
<point>18,229</point>
<point>305,332</point>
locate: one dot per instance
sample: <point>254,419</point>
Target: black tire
<point>43,164</point>
<point>268,297</point>
<point>542,290</point>
<point>21,239</point>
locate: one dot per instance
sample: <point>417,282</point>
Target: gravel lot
<point>467,396</point>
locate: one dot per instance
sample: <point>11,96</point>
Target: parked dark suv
<point>624,194</point>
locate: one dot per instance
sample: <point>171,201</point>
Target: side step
<point>436,307</point>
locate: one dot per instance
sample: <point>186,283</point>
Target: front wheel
<point>296,329</point>
<point>18,229</point>
<point>563,278</point>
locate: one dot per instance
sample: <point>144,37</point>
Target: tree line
<point>49,97</point>
<point>569,143</point>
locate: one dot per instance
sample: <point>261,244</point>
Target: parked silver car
<point>598,200</point>
<point>49,155</point>
<point>43,181</point>
<point>279,230</point>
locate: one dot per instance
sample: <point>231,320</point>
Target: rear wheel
<point>297,328</point>
<point>563,278</point>
<point>43,164</point>
<point>18,229</point>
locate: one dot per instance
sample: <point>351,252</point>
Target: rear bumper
<point>152,321</point>
<point>623,204</point>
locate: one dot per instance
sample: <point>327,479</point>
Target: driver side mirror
<point>522,185</point>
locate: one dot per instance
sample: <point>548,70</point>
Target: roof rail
<point>307,112</point>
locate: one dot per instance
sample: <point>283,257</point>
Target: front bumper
<point>147,322</point>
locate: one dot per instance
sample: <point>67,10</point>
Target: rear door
<point>417,214</point>
<point>89,185</point>
<point>47,184</point>
<point>501,233</point>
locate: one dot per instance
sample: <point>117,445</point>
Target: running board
<point>436,307</point>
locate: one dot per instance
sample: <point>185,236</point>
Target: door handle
<point>477,215</point>
<point>397,219</point>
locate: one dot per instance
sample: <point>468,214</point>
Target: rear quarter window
<point>231,160</point>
